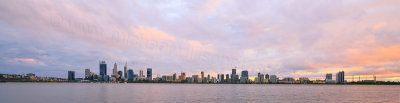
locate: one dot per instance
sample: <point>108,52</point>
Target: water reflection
<point>147,93</point>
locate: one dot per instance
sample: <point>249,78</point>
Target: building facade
<point>103,68</point>
<point>115,71</point>
<point>149,74</point>
<point>340,77</point>
<point>130,74</point>
<point>71,75</point>
<point>273,79</point>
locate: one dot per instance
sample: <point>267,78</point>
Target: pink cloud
<point>27,60</point>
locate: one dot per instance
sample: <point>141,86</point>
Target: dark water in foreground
<point>145,93</point>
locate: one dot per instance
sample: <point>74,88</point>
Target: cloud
<point>27,60</point>
<point>287,38</point>
<point>149,33</point>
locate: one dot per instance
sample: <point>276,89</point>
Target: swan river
<point>195,93</point>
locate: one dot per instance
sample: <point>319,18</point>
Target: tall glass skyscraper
<point>227,78</point>
<point>71,75</point>
<point>222,78</point>
<point>130,74</point>
<point>149,74</point>
<point>174,76</point>
<point>125,70</point>
<point>103,68</point>
<point>245,77</point>
<point>202,77</point>
<point>245,73</point>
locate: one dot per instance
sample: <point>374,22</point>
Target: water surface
<point>172,93</point>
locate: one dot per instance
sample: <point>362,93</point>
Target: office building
<point>227,80</point>
<point>174,76</point>
<point>245,73</point>
<point>164,78</point>
<point>208,77</point>
<point>202,77</point>
<point>71,75</point>
<point>103,68</point>
<point>125,70</point>
<point>195,78</point>
<point>213,80</point>
<point>245,77</point>
<point>115,71</point>
<point>340,77</point>
<point>169,78</point>
<point>182,76</point>
<point>141,74</point>
<point>260,78</point>
<point>273,79</point>
<point>328,77</point>
<point>130,74</point>
<point>149,74</point>
<point>234,78</point>
<point>189,80</point>
<point>234,71</point>
<point>87,74</point>
<point>222,78</point>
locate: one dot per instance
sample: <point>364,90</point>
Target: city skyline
<point>129,73</point>
<point>284,38</point>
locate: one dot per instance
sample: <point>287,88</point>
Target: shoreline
<point>199,83</point>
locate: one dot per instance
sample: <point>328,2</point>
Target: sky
<point>288,38</point>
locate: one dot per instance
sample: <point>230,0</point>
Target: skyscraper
<point>174,76</point>
<point>87,74</point>
<point>125,70</point>
<point>245,77</point>
<point>71,75</point>
<point>103,68</point>
<point>195,78</point>
<point>149,74</point>
<point>202,77</point>
<point>227,78</point>
<point>267,77</point>
<point>130,74</point>
<point>340,77</point>
<point>115,72</point>
<point>260,78</point>
<point>233,78</point>
<point>328,77</point>
<point>273,79</point>
<point>245,73</point>
<point>182,76</point>
<point>222,78</point>
<point>208,77</point>
<point>141,74</point>
<point>234,71</point>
